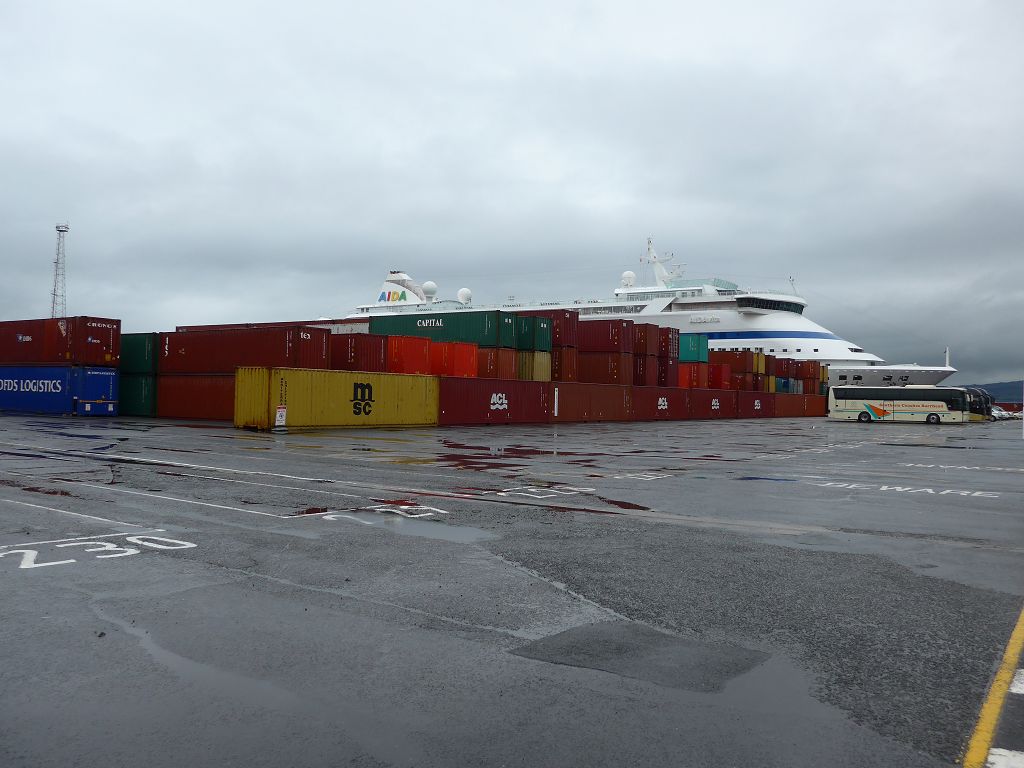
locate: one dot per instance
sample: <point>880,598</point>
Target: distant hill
<point>1003,391</point>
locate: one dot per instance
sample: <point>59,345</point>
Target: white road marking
<point>271,485</point>
<point>1004,758</point>
<point>1017,686</point>
<point>334,516</point>
<point>83,538</point>
<point>171,498</point>
<point>76,514</point>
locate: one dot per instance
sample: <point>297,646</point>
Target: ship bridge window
<point>773,304</point>
<point>856,349</point>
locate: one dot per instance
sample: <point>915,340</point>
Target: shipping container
<point>808,369</point>
<point>139,352</point>
<point>693,348</point>
<point>196,396</point>
<point>739,362</point>
<point>59,389</point>
<point>359,352</point>
<point>660,403</point>
<point>589,402</point>
<point>770,384</point>
<point>742,382</point>
<point>815,405</point>
<point>754,405</point>
<point>533,333</point>
<point>487,362</point>
<point>137,393</point>
<point>646,339</point>
<point>88,341</point>
<point>605,367</point>
<point>668,372</point>
<point>760,363</point>
<point>693,375</point>
<point>719,376</point>
<point>339,325</point>
<point>485,328</point>
<point>453,358</point>
<point>506,364</point>
<point>760,382</point>
<point>788,405</point>
<point>668,343</point>
<point>524,366</point>
<point>564,325</point>
<point>565,364</point>
<point>408,354</point>
<point>213,352</point>
<point>606,336</point>
<point>645,371</point>
<point>713,403</point>
<point>769,365</point>
<point>479,401</point>
<point>541,366</point>
<point>306,399</point>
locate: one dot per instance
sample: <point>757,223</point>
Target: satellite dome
<point>464,295</point>
<point>628,278</point>
<point>429,290</point>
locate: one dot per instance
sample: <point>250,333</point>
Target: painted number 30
<point>110,549</point>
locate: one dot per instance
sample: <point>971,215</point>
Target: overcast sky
<point>258,161</point>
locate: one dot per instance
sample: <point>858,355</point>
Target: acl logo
<point>662,403</point>
<point>499,401</point>
<point>757,405</point>
<point>715,405</point>
<point>362,399</point>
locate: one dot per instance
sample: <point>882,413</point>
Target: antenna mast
<point>58,304</point>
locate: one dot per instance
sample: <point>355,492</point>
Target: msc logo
<point>715,405</point>
<point>757,405</point>
<point>662,403</point>
<point>362,399</point>
<point>499,401</point>
<point>392,296</point>
<point>434,322</point>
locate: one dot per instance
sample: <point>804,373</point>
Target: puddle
<point>624,504</point>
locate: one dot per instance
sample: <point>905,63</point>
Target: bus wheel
<point>933,418</point>
<point>863,417</point>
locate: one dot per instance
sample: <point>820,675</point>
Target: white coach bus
<point>933,405</point>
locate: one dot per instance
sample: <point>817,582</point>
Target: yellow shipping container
<point>771,383</point>
<point>759,362</point>
<point>524,366</point>
<point>315,398</point>
<point>541,366</point>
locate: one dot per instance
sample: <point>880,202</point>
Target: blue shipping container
<point>59,389</point>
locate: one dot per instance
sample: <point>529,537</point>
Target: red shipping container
<point>808,369</point>
<point>75,340</point>
<point>645,371</point>
<point>719,376</point>
<point>811,386</point>
<point>646,339</point>
<point>565,325</point>
<point>693,375</point>
<point>194,396</point>
<point>789,406</point>
<point>760,382</point>
<point>784,368</point>
<point>490,401</point>
<point>211,352</point>
<point>359,352</point>
<point>605,367</point>
<point>815,405</point>
<point>506,364</point>
<point>668,343</point>
<point>755,405</point>
<point>408,354</point>
<point>487,362</point>
<point>565,364</point>
<point>713,403</point>
<point>660,403</point>
<point>769,365</point>
<point>590,402</point>
<point>668,372</point>
<point>606,336</point>
<point>453,358</point>
<point>740,362</point>
<point>743,382</point>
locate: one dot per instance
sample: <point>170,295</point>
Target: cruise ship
<point>732,317</point>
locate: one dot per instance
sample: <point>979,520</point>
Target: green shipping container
<point>542,339</point>
<point>485,329</point>
<point>525,329</point>
<point>137,394</point>
<point>693,348</point>
<point>139,352</point>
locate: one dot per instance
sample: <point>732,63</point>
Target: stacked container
<point>646,343</point>
<point>62,365</point>
<point>668,357</point>
<point>606,351</point>
<point>137,370</point>
<point>359,352</point>
<point>485,329</point>
<point>453,358</point>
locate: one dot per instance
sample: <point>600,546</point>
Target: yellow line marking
<point>988,719</point>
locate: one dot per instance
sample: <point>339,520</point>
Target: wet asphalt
<point>745,593</point>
